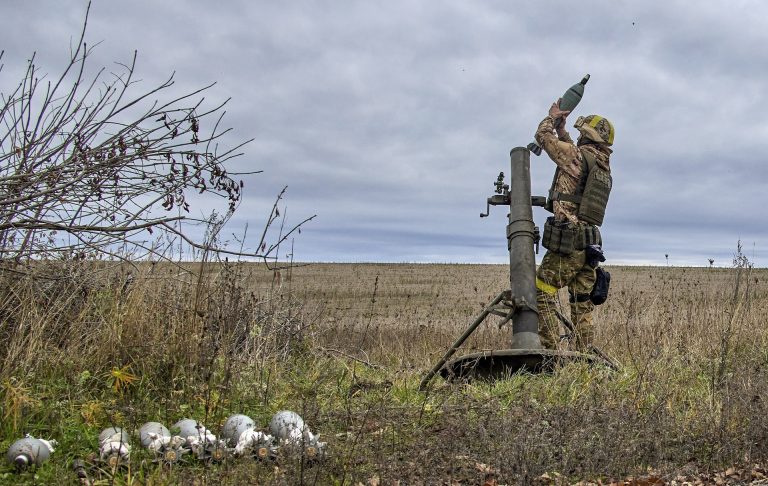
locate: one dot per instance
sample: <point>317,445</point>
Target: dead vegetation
<point>346,345</point>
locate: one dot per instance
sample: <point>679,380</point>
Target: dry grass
<point>346,345</point>
<point>412,313</point>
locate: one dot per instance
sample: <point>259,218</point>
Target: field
<point>346,345</point>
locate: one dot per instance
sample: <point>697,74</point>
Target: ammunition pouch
<point>558,236</point>
<point>589,235</point>
<point>566,238</point>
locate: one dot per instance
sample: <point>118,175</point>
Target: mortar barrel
<point>522,260</point>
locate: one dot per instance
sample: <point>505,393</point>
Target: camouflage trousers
<point>555,272</point>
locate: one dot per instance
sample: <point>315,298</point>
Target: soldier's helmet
<point>596,128</point>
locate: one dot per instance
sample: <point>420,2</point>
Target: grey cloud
<point>390,120</point>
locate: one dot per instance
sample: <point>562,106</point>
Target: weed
<point>120,379</point>
<point>16,397</point>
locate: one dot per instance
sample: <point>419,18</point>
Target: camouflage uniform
<point>556,270</point>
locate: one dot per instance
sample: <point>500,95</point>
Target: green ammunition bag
<point>558,236</point>
<point>566,237</point>
<point>587,235</point>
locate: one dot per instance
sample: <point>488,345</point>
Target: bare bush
<point>94,164</point>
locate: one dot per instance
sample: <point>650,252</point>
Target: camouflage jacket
<point>569,160</point>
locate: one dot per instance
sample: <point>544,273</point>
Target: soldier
<point>577,199</point>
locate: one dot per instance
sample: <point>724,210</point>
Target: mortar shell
<point>234,428</point>
<point>27,452</point>
<point>155,428</point>
<point>189,428</point>
<point>114,434</point>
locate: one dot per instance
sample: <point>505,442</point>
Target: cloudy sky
<point>391,119</point>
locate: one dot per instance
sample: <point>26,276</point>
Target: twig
<point>353,358</point>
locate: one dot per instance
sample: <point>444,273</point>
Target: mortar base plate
<point>502,363</point>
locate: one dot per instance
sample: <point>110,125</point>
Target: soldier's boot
<point>549,324</point>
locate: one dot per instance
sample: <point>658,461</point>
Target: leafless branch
<point>93,159</point>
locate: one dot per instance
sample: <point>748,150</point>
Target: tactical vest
<point>592,193</point>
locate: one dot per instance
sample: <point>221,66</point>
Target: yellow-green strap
<point>545,287</point>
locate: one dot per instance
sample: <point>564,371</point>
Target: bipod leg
<point>592,348</point>
<point>425,381</point>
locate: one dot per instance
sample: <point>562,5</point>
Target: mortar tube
<point>522,260</point>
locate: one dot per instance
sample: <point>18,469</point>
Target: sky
<point>390,120</point>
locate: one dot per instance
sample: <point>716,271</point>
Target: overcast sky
<point>391,119</point>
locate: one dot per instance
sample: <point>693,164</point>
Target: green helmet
<point>596,128</point>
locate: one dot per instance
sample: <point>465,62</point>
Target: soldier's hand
<point>556,113</point>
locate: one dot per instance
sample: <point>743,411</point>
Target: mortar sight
<point>501,188</point>
<point>501,198</point>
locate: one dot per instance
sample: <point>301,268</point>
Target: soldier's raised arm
<point>560,146</point>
